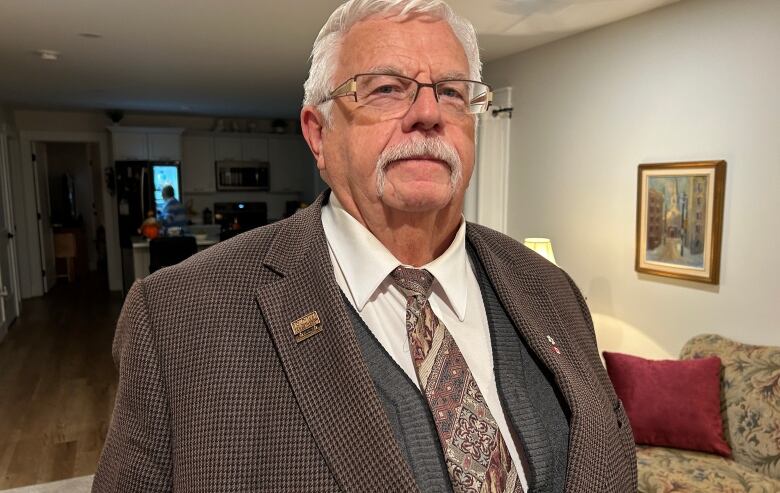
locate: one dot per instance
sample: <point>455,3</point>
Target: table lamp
<point>542,246</point>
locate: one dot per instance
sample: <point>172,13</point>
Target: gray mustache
<point>431,147</point>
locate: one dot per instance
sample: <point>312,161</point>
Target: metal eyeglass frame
<point>349,88</point>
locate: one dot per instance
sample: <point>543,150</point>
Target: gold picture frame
<point>679,220</point>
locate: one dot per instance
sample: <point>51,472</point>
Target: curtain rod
<point>508,110</point>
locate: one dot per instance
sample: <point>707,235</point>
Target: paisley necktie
<point>476,454</point>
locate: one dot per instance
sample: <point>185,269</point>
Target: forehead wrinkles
<point>410,46</point>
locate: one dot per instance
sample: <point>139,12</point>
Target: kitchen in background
<point>229,182</point>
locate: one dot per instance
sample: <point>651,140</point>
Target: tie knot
<point>413,282</point>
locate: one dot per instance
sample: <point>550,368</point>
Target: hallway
<point>57,384</point>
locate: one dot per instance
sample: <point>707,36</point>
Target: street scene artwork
<point>676,220</point>
<point>679,219</point>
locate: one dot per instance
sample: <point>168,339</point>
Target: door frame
<point>29,286</point>
<point>48,264</point>
<point>7,139</point>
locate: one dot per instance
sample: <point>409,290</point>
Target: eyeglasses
<point>393,95</point>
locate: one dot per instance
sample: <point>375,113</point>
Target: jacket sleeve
<point>137,453</point>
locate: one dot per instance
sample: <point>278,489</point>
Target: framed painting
<point>679,220</point>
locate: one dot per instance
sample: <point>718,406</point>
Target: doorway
<point>70,212</point>
<point>30,258</point>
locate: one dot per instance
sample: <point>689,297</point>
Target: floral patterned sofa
<point>750,406</point>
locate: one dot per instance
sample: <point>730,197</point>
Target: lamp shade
<point>542,246</point>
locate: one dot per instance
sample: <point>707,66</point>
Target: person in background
<point>173,213</point>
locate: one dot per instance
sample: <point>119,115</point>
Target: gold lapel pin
<point>306,326</point>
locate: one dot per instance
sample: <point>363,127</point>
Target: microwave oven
<point>242,175</point>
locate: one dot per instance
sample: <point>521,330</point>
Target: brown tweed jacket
<point>216,395</point>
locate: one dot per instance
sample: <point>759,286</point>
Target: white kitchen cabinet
<point>197,169</point>
<point>130,146</point>
<point>164,147</point>
<point>146,143</point>
<point>243,148</point>
<point>291,164</point>
<point>227,148</point>
<point>254,148</point>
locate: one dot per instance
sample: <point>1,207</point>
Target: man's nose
<point>425,112</point>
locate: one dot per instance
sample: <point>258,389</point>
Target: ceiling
<point>228,57</point>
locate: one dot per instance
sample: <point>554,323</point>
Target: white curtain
<point>486,197</point>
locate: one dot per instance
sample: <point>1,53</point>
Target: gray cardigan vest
<point>535,409</point>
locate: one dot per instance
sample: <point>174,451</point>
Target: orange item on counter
<point>150,230</point>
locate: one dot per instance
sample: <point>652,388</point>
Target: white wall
<point>693,81</point>
<point>6,116</point>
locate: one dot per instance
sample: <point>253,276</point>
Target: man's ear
<point>313,125</point>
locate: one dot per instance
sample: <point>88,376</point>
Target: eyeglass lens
<point>393,93</point>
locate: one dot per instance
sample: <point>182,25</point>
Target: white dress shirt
<point>362,266</point>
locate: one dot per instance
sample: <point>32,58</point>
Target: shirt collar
<point>451,272</point>
<point>366,262</point>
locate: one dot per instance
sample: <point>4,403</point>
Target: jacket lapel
<point>326,370</point>
<point>528,304</point>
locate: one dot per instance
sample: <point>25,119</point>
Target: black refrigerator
<point>138,190</point>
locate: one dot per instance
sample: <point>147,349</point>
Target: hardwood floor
<point>57,384</point>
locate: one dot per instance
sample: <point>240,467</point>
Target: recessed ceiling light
<point>49,55</point>
<point>91,35</point>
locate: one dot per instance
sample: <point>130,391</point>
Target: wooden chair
<point>66,248</point>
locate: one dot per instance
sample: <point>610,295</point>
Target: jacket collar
<point>326,371</point>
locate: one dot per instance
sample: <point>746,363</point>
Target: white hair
<point>324,54</point>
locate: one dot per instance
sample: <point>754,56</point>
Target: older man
<point>374,341</point>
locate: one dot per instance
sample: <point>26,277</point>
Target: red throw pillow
<point>671,403</point>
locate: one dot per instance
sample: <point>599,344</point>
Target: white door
<point>8,301</point>
<point>14,161</point>
<point>45,231</point>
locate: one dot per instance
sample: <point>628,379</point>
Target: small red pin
<point>552,343</point>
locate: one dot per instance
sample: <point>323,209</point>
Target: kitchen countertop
<point>200,243</point>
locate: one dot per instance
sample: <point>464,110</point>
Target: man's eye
<point>386,89</point>
<point>451,92</point>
